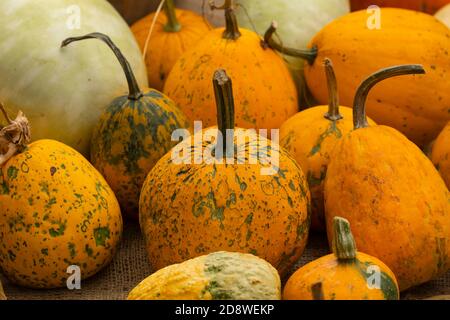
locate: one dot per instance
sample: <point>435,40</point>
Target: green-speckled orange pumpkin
<point>132,135</point>
<point>56,210</point>
<point>311,136</point>
<point>345,274</point>
<point>191,206</point>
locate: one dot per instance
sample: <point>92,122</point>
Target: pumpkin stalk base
<point>231,26</point>
<point>14,136</point>
<point>172,22</point>
<point>309,55</point>
<point>223,90</point>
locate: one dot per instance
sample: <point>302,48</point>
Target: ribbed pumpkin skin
<point>130,138</point>
<point>217,276</point>
<point>265,95</point>
<point>165,48</point>
<point>441,154</point>
<point>311,138</point>
<point>395,200</point>
<point>428,6</point>
<point>56,210</point>
<point>417,107</point>
<point>188,210</point>
<point>342,280</point>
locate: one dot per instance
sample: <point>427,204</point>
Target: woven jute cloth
<point>130,266</point>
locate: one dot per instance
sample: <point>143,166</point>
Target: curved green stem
<point>173,25</point>
<point>134,91</point>
<point>309,55</point>
<point>359,104</point>
<point>333,95</point>
<point>344,246</point>
<point>231,26</point>
<point>223,90</point>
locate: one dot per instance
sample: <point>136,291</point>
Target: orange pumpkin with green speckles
<point>344,275</point>
<point>266,95</point>
<point>441,154</point>
<point>310,137</point>
<point>132,135</point>
<point>397,203</point>
<point>192,203</point>
<point>56,210</point>
<point>173,34</point>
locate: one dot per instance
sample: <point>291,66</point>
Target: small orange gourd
<point>265,94</point>
<point>174,33</point>
<point>244,195</point>
<point>343,275</point>
<point>56,211</point>
<point>392,195</point>
<point>440,154</point>
<point>133,133</point>
<point>311,135</point>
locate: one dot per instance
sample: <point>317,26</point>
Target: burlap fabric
<point>130,266</point>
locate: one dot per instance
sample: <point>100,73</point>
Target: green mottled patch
<point>44,187</point>
<point>50,203</point>
<point>101,235</point>
<point>72,250</point>
<point>332,130</point>
<point>217,292</point>
<point>12,172</point>
<point>44,252</point>
<point>292,186</point>
<point>314,181</point>
<point>388,286</point>
<point>249,219</point>
<point>89,250</point>
<point>208,202</point>
<point>242,185</point>
<point>230,277</point>
<point>59,231</point>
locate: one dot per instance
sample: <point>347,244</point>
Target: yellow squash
<point>345,274</point>
<point>56,211</point>
<point>397,203</point>
<point>310,137</point>
<point>217,276</point>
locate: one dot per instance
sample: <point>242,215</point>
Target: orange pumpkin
<point>173,34</point>
<point>133,133</point>
<point>56,211</point>
<point>311,135</point>
<point>428,6</point>
<point>397,203</point>
<point>264,102</point>
<point>343,275</point>
<point>203,197</point>
<point>418,108</point>
<point>441,154</point>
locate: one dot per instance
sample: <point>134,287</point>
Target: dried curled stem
<point>14,136</point>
